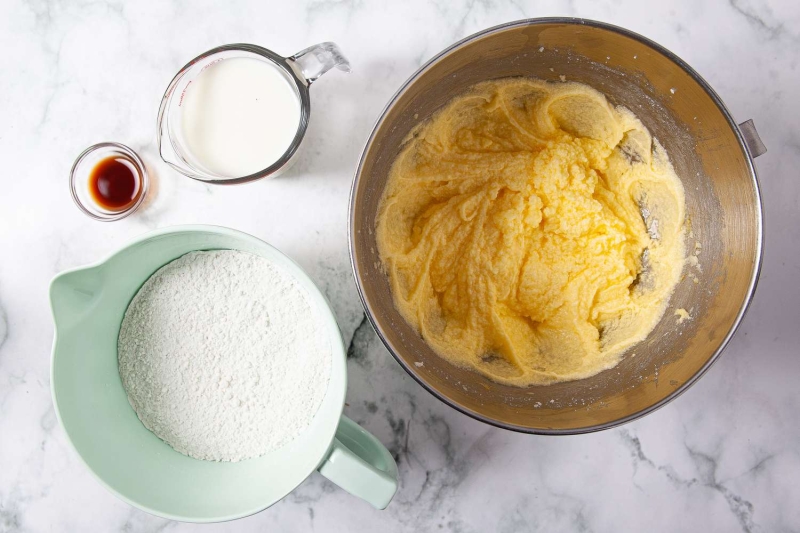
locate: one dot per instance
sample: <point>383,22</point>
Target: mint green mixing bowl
<point>88,305</point>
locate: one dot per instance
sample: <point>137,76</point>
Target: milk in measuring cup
<point>239,116</point>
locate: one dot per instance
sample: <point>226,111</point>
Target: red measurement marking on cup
<point>212,63</point>
<point>183,93</point>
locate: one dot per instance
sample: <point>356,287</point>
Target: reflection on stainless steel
<point>722,199</point>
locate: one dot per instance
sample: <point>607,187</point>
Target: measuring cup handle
<point>361,465</point>
<point>316,60</point>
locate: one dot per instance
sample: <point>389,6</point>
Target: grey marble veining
<point>3,326</point>
<point>722,457</point>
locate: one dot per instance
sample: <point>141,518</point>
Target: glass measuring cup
<point>299,71</point>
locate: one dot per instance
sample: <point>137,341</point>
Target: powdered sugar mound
<point>223,357</point>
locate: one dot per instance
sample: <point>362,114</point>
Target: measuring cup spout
<point>316,60</point>
<point>165,148</point>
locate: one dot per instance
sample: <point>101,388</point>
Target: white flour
<point>223,357</point>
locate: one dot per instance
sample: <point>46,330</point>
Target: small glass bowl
<point>82,170</point>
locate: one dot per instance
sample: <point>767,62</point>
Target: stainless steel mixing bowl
<point>711,154</point>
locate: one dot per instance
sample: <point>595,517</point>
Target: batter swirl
<point>531,231</point>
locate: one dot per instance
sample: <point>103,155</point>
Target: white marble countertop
<point>725,456</point>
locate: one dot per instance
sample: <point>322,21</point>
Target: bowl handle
<point>751,138</point>
<point>361,465</point>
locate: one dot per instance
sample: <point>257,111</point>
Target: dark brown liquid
<point>114,183</point>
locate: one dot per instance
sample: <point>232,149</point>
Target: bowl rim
<point>750,165</point>
<point>338,357</point>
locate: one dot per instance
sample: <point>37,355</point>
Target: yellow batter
<point>531,231</point>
